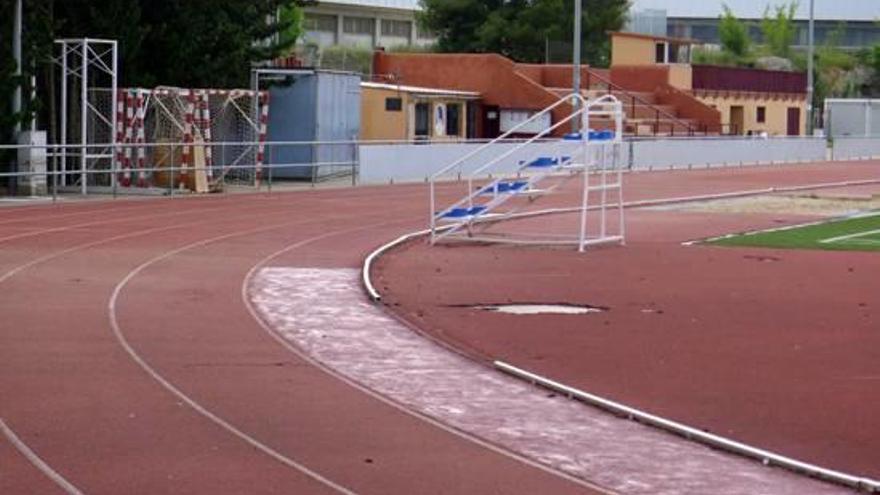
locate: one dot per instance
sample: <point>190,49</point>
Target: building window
<point>393,104</point>
<point>319,22</point>
<point>399,29</point>
<point>660,53</point>
<point>358,25</point>
<point>453,110</point>
<point>762,115</point>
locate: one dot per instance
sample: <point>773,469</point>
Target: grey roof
<point>836,10</point>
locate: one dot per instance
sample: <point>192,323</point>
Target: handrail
<point>472,193</point>
<point>595,107</point>
<point>634,98</point>
<point>435,175</point>
<point>605,99</point>
<point>516,128</point>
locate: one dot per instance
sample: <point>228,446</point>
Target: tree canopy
<point>522,29</point>
<point>779,30</point>
<point>734,34</point>
<point>188,43</point>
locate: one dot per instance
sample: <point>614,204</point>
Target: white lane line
<point>34,459</point>
<point>385,399</point>
<point>222,423</point>
<point>856,235</point>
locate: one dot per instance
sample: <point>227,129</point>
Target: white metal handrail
<point>507,134</point>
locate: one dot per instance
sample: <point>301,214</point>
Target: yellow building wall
<point>462,117</point>
<point>378,123</point>
<point>632,51</point>
<point>776,116</point>
<point>681,76</point>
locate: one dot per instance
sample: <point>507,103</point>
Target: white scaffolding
<point>88,67</point>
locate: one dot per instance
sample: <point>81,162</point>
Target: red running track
<point>778,349</point>
<point>129,363</point>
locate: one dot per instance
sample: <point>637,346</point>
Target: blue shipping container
<point>314,105</point>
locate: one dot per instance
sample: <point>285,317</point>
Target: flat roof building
<point>857,19</point>
<point>365,23</point>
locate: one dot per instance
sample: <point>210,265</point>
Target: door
<point>491,122</point>
<point>794,121</point>
<point>471,126</point>
<point>737,120</point>
<point>423,121</point>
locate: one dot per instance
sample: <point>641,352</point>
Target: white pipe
<point>694,434</point>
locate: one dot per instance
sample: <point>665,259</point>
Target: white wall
<point>413,162</point>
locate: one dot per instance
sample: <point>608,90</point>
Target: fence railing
<point>348,163</point>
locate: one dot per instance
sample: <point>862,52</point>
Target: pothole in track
<point>541,309</point>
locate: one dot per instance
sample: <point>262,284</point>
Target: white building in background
<point>699,20</point>
<point>366,23</point>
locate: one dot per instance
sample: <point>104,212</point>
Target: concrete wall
<point>702,152</point>
<point>414,163</point>
<point>627,50</point>
<point>382,164</point>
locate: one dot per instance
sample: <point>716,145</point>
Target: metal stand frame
<point>88,61</point>
<point>596,156</point>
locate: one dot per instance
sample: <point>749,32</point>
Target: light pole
<point>16,54</point>
<point>810,80</point>
<point>576,63</point>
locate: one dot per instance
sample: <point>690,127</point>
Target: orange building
<point>662,91</point>
<point>749,101</point>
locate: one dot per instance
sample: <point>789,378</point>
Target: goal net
<point>196,139</point>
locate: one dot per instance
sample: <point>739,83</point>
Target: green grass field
<point>852,234</point>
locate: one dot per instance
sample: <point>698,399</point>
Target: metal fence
<point>346,163</point>
<point>846,117</point>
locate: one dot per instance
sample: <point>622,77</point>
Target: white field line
<point>199,408</point>
<point>39,463</point>
<point>783,228</point>
<point>856,235</point>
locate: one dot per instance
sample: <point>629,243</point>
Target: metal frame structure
<point>85,60</point>
<point>586,153</point>
<point>869,107</point>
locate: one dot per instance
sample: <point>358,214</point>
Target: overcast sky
<point>864,10</point>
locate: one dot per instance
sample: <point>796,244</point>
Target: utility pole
<point>576,63</point>
<point>16,54</point>
<point>810,80</point>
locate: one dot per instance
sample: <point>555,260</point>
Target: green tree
<point>520,29</point>
<point>734,34</point>
<point>779,30</point>
<point>870,58</point>
<point>194,43</point>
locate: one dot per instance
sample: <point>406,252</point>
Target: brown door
<point>737,120</point>
<point>794,121</point>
